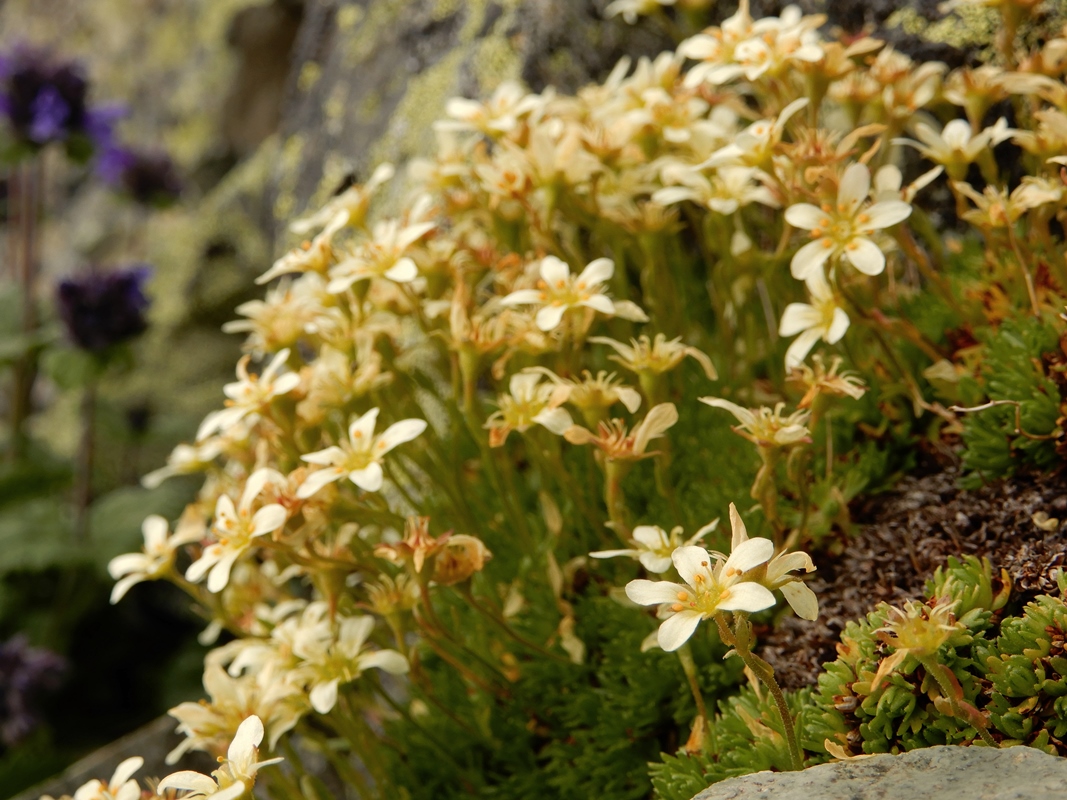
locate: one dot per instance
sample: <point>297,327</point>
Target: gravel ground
<point>904,536</point>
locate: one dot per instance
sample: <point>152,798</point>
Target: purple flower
<point>24,672</point>
<point>102,309</point>
<point>46,100</point>
<point>149,177</point>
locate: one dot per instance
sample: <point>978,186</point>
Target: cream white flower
<point>956,147</point>
<point>726,190</point>
<point>236,528</point>
<point>888,183</point>
<point>237,773</point>
<point>500,114</point>
<point>560,291</point>
<point>653,546</point>
<point>331,658</point>
<point>657,355</point>
<point>765,426</point>
<point>715,49</point>
<point>820,319</point>
<point>843,230</point>
<point>529,402</point>
<point>384,255</point>
<point>630,10</point>
<point>314,256</point>
<point>120,787</point>
<point>250,394</point>
<point>157,558</point>
<point>290,311</point>
<point>619,444</point>
<point>712,584</point>
<point>360,458</point>
<point>185,459</point>
<point>349,207</point>
<point>776,574</point>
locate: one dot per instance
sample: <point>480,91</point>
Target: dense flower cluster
<point>444,368</point>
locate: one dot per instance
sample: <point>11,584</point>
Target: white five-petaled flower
<point>800,598</point>
<point>120,787</point>
<point>249,394</point>
<point>332,657</point>
<point>236,528</point>
<point>237,773</point>
<point>822,319</point>
<point>712,584</point>
<point>560,291</point>
<point>157,557</point>
<point>957,146</point>
<point>842,230</point>
<point>384,255</point>
<point>360,458</point>
<point>653,546</point>
<point>500,114</point>
<point>529,402</point>
<point>765,426</point>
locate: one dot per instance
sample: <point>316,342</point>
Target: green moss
<point>967,27</point>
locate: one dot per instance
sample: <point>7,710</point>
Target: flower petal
<point>369,479</point>
<point>398,433</point>
<point>797,317</point>
<point>746,596</point>
<point>838,327</point>
<point>549,317</point>
<point>801,599</point>
<point>599,302</point>
<point>738,531</point>
<point>676,630</point>
<point>691,561</point>
<point>884,214</point>
<point>743,415</point>
<point>810,258</point>
<point>316,480</point>
<point>323,696</point>
<point>652,593</point>
<point>651,536</point>
<point>124,771</point>
<point>187,779</point>
<point>750,553</point>
<point>805,216</point>
<point>389,660</point>
<point>246,740</point>
<point>403,271</point>
<point>598,271</point>
<point>220,573</point>
<point>328,457</point>
<point>865,256</point>
<point>362,429</point>
<point>801,346</point>
<point>523,297</point>
<point>854,188</point>
<point>553,270</point>
<point>269,518</point>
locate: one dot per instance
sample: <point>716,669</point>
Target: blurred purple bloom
<point>102,309</point>
<point>47,100</point>
<point>149,177</point>
<point>24,672</point>
<point>48,115</point>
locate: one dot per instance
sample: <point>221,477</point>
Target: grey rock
<point>934,773</point>
<point>152,743</point>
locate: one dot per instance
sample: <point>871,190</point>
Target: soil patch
<point>909,533</point>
